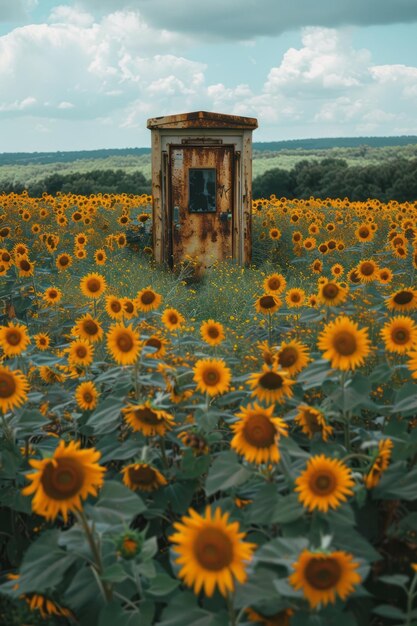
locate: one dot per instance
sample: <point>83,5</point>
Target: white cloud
<point>64,14</point>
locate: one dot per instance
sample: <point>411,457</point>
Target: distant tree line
<point>333,178</point>
<point>323,143</point>
<point>84,183</point>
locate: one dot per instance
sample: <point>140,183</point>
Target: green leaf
<point>105,419</point>
<point>182,610</point>
<point>387,610</point>
<point>398,580</point>
<point>44,564</point>
<point>315,374</point>
<point>113,613</point>
<point>116,505</point>
<point>162,585</point>
<point>112,450</point>
<point>405,399</point>
<point>29,422</point>
<point>226,472</point>
<point>397,483</point>
<point>258,588</point>
<point>193,466</point>
<point>114,574</point>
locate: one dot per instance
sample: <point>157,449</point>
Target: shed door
<point>201,204</point>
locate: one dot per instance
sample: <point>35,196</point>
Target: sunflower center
<point>330,291</point>
<point>53,293</point>
<point>274,284</point>
<point>213,332</point>
<point>93,285</point>
<point>62,478</point>
<point>88,396</point>
<point>148,297</point>
<point>142,475</point>
<point>295,297</point>
<point>344,343</point>
<point>129,308</point>
<point>322,483</point>
<point>213,549</point>
<point>311,421</point>
<point>267,302</point>
<point>124,342</point>
<point>367,268</point>
<point>115,306</point>
<point>7,385</point>
<point>154,342</point>
<point>24,265</point>
<point>13,337</point>
<point>271,380</point>
<point>259,431</point>
<point>6,257</point>
<point>323,573</point>
<point>400,335</point>
<point>211,376</point>
<point>363,232</point>
<point>403,297</point>
<point>81,351</point>
<point>287,357</point>
<point>90,327</point>
<point>147,416</point>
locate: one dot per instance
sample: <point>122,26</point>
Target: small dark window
<point>202,190</point>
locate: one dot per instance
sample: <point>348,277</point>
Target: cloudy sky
<point>84,74</point>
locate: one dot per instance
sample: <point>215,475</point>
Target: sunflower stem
<point>231,609</point>
<point>98,565</point>
<point>269,329</point>
<point>411,594</point>
<point>163,452</point>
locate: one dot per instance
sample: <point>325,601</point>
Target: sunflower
<point>292,356</point>
<point>279,618</point>
<point>63,261</point>
<point>353,276</point>
<point>309,243</point>
<point>13,388</point>
<point>274,233</point>
<point>271,385</point>
<point>80,240</point>
<point>275,283</point>
<point>268,303</point>
<point>121,240</point>
<point>93,285</point>
<point>62,481</point>
<point>257,433</point>
<point>6,258</point>
<point>212,376</point>
<point>332,293</point>
<point>87,328</point>
<point>129,308</point>
<point>295,297</point>
<point>211,551</point>
<point>172,319</point>
<point>42,341</point>
<point>337,270</point>
<point>343,344</point>
<point>367,271</point>
<point>380,463</point>
<point>157,345</point>
<point>312,421</point>
<point>52,295</point>
<point>14,339</point>
<point>148,300</point>
<point>80,352</point>
<point>385,276</point>
<point>47,607</point>
<point>143,477</point>
<point>317,266</point>
<point>123,344</point>
<point>25,267</point>
<point>324,484</point>
<point>100,257</point>
<point>212,332</point>
<point>80,253</point>
<point>20,249</point>
<point>399,334</point>
<point>403,300</point>
<point>147,419</point>
<point>324,575</point>
<point>114,307</point>
<point>364,233</point>
<point>86,396</point>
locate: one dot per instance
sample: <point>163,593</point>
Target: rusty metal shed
<point>202,187</point>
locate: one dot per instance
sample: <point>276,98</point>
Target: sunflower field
<point>233,448</point>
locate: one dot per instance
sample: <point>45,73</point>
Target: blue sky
<point>87,74</point>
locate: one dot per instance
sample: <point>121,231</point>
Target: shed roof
<point>203,119</point>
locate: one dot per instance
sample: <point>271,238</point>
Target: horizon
<point>77,74</point>
<point>301,139</point>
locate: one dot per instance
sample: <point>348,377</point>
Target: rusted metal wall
<point>206,140</point>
